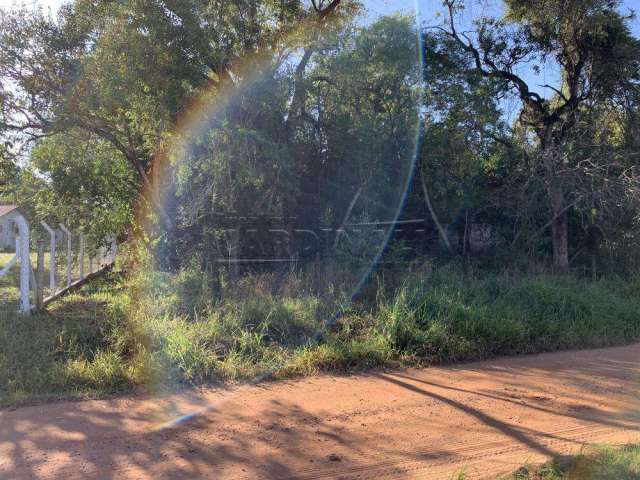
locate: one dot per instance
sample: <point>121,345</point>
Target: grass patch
<point>597,463</point>
<point>155,330</point>
<point>64,352</point>
<point>10,283</point>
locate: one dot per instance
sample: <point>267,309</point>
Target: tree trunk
<point>432,212</point>
<point>560,234</point>
<point>559,230</point>
<point>559,208</point>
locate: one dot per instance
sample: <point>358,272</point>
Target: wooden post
<point>40,277</point>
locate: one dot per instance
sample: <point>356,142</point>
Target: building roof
<point>6,209</point>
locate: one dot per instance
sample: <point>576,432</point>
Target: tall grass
<point>594,463</point>
<point>154,330</point>
<point>448,317</point>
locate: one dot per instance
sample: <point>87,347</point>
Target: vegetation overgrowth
<point>515,131</point>
<point>604,462</point>
<point>155,331</point>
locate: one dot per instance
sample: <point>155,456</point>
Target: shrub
<point>155,330</point>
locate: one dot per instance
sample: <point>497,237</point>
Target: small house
<point>8,232</point>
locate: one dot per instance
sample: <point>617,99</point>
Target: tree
<point>8,173</point>
<point>87,184</point>
<point>590,42</point>
<point>462,135</point>
<point>126,71</point>
<point>342,153</point>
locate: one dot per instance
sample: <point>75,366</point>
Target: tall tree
<point>597,57</point>
<point>125,71</point>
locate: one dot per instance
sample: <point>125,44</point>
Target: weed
<point>156,330</point>
<point>595,463</point>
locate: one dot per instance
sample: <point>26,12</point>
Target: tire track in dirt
<point>486,417</point>
<point>458,457</point>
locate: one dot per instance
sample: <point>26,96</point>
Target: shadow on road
<point>289,430</point>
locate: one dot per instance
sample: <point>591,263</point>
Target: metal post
<point>52,256</point>
<point>68,234</point>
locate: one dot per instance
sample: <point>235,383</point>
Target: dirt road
<point>487,418</point>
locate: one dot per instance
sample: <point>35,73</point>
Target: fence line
<point>21,256</point>
<point>32,283</point>
<point>104,260</point>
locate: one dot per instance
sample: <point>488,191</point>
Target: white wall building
<point>8,214</point>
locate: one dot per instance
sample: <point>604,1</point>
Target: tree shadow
<point>269,433</point>
<point>589,414</point>
<point>288,441</point>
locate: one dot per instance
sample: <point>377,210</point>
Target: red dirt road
<point>487,418</point>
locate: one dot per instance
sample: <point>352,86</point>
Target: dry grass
<point>595,463</point>
<point>158,330</point>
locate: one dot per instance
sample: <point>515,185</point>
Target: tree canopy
<point>173,115</point>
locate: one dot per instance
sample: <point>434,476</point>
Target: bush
<point>450,317</point>
<point>155,330</point>
<point>594,463</point>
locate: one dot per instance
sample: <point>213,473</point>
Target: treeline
<point>185,124</point>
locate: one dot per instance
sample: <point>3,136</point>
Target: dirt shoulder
<point>485,417</point>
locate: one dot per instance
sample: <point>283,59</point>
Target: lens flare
<point>290,177</point>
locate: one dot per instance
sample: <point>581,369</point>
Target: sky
<point>54,4</point>
<point>426,11</point>
<point>426,8</point>
<point>383,5</point>
<point>380,6</point>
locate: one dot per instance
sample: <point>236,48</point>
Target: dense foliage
<point>187,126</point>
<point>309,114</point>
<point>159,331</point>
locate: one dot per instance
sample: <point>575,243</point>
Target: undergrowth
<point>595,463</point>
<point>155,330</point>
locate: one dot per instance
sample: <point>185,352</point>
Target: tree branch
<point>530,98</point>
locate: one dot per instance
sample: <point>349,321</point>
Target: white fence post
<point>81,256</point>
<point>105,256</point>
<point>22,250</point>
<point>52,256</point>
<point>40,277</point>
<point>68,234</point>
<point>114,248</point>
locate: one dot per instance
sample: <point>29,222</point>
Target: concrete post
<point>114,249</point>
<point>68,234</point>
<point>22,250</point>
<point>52,256</point>
<point>81,256</point>
<point>40,276</point>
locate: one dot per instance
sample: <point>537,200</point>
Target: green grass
<point>155,330</point>
<point>6,258</point>
<point>10,283</point>
<point>599,463</point>
<point>64,352</point>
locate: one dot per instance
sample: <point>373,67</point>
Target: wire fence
<point>45,262</point>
